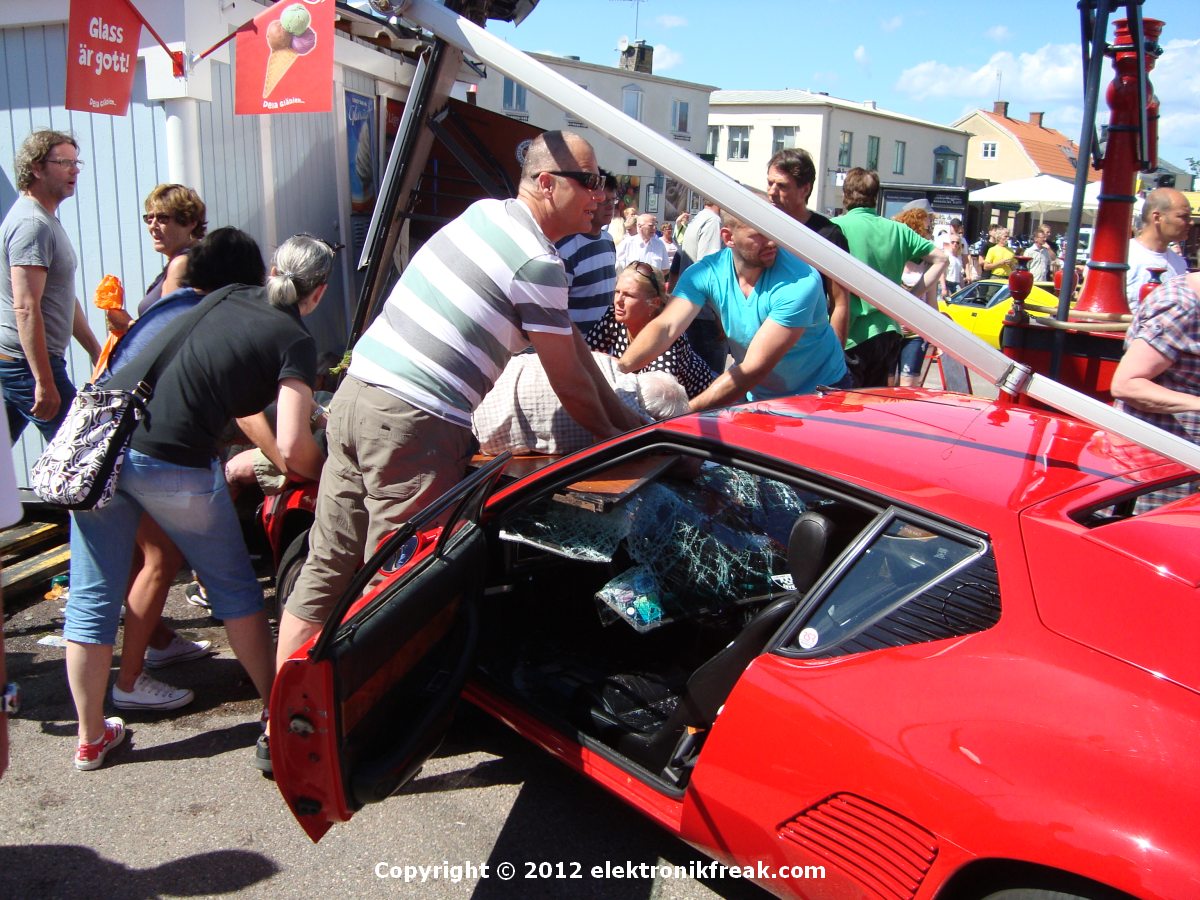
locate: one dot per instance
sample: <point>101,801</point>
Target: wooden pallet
<point>33,553</point>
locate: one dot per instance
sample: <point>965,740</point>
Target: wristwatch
<point>318,411</point>
<point>11,703</point>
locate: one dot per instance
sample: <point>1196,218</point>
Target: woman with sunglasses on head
<point>176,221</point>
<point>639,297</point>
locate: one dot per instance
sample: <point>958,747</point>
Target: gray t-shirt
<point>30,236</point>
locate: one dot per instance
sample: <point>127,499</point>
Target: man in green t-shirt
<point>873,343</point>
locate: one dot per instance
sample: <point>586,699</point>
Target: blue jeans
<point>193,508</point>
<point>17,379</point>
<point>912,355</point>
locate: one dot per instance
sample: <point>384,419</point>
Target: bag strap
<point>179,331</point>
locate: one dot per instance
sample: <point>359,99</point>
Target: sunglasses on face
<point>160,218</point>
<point>592,181</point>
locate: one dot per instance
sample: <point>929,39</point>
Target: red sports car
<point>885,643</point>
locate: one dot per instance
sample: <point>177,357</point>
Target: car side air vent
<point>886,853</point>
<point>963,603</point>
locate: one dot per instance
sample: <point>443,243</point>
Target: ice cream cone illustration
<point>289,38</point>
<point>277,66</point>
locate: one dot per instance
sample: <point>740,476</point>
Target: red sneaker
<point>91,756</point>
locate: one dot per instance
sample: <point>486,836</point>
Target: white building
<point>677,110</point>
<point>915,159</point>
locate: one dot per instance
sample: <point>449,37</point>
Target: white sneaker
<point>150,693</point>
<point>179,650</point>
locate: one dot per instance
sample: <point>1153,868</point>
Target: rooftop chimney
<point>638,57</point>
<point>1035,119</point>
<point>1000,108</point>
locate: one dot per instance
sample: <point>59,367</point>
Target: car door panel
<point>355,717</point>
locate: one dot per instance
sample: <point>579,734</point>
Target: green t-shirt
<point>885,246</point>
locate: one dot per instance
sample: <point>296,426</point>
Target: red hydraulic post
<point>1104,287</point>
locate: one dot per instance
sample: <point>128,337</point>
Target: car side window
<point>693,541</point>
<point>910,581</point>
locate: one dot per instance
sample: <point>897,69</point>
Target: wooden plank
<point>21,537</point>
<point>614,484</point>
<point>37,571</point>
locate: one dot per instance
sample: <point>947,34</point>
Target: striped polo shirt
<point>463,306</point>
<point>591,276</point>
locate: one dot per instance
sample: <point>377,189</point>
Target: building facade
<point>678,110</point>
<point>915,159</point>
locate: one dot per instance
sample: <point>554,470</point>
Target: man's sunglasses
<point>592,181</point>
<point>648,272</point>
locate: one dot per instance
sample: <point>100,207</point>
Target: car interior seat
<point>660,725</point>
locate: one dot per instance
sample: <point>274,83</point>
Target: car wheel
<point>289,570</point>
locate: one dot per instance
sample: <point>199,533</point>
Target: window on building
<point>631,102</point>
<point>845,145</point>
<point>945,166</point>
<point>783,137</point>
<point>713,147</point>
<point>679,116</point>
<point>739,142</point>
<point>873,153</point>
<point>898,162</point>
<point>989,149</point>
<point>514,96</point>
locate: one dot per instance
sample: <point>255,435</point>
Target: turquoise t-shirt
<point>789,293</point>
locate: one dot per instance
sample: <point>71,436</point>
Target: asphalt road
<point>179,811</point>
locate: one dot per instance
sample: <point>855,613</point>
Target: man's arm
<point>258,429</point>
<point>82,332</point>
<point>620,414</point>
<point>937,262</point>
<point>839,316</point>
<point>572,382</point>
<point>298,450</point>
<point>659,334</point>
<point>28,284</point>
<point>768,347</point>
<point>1134,383</point>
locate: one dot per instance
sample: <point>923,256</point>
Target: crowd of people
<point>538,323</point>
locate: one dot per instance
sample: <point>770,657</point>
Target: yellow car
<point>980,307</point>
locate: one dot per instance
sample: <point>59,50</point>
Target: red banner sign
<point>284,59</point>
<point>102,45</point>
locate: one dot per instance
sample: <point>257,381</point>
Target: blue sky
<point>915,59</point>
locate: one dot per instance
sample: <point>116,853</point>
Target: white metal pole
<point>700,176</point>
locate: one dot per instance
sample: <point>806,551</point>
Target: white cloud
<point>998,33</point>
<point>665,58</point>
<point>1051,74</point>
<point>860,55</point>
<point>671,21</point>
<point>1050,80</point>
<point>891,24</point>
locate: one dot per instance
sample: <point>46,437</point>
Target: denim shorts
<point>193,507</point>
<point>17,380</point>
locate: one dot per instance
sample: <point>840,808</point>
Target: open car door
<point>354,718</point>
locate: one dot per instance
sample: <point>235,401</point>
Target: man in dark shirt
<point>790,179</point>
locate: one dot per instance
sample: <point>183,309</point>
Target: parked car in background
<point>981,306</point>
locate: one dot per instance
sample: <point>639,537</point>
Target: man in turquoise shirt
<point>772,306</point>
<point>873,343</point>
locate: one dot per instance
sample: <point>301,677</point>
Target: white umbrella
<point>1040,194</point>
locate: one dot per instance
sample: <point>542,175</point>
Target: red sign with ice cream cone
<point>284,59</point>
